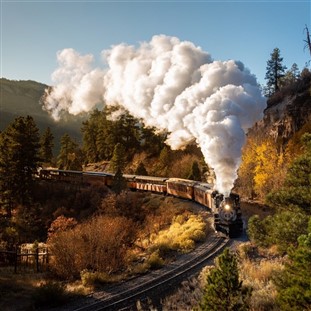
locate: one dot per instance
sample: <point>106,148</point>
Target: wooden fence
<point>25,260</point>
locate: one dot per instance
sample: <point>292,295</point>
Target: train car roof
<point>152,178</point>
<point>63,171</point>
<point>128,176</point>
<point>204,186</point>
<point>182,181</point>
<point>96,173</point>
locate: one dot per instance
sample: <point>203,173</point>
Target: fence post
<point>47,257</point>
<point>15,259</point>
<point>37,259</point>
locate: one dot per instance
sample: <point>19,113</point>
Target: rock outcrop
<point>287,111</point>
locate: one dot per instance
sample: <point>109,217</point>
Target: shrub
<point>97,245</point>
<point>181,235</point>
<point>282,229</point>
<point>155,261</point>
<point>90,278</point>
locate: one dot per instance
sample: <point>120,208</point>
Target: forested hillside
<point>22,98</point>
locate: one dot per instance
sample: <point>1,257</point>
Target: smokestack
<point>172,85</point>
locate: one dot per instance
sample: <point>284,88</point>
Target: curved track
<point>124,295</point>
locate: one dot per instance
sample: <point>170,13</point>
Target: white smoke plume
<point>171,85</point>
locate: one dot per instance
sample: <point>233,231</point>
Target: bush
<point>97,245</point>
<point>181,235</point>
<point>282,229</point>
<point>155,261</point>
<point>90,278</point>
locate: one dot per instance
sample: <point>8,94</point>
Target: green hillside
<point>22,98</point>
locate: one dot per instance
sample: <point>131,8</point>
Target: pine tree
<point>19,160</point>
<point>294,282</point>
<point>141,170</point>
<point>90,130</point>
<point>70,156</point>
<point>105,141</point>
<point>195,173</point>
<point>291,76</point>
<point>165,156</point>
<point>151,142</point>
<point>224,290</point>
<point>119,182</point>
<point>118,159</point>
<point>275,71</point>
<point>47,144</point>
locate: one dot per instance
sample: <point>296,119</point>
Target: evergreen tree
<point>7,199</point>
<point>119,182</point>
<point>105,139</point>
<point>19,160</point>
<point>151,142</point>
<point>118,160</point>
<point>291,76</point>
<point>47,144</point>
<point>90,130</point>
<point>165,156</point>
<point>129,134</point>
<point>294,282</point>
<point>70,156</point>
<point>297,189</point>
<point>195,173</point>
<point>275,71</point>
<point>295,71</point>
<point>224,291</point>
<point>141,170</point>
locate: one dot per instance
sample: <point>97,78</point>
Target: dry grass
<point>20,292</point>
<point>16,290</point>
<point>257,268</point>
<point>189,294</point>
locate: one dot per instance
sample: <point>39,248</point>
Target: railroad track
<point>123,296</point>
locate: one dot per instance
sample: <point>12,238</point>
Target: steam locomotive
<point>226,210</point>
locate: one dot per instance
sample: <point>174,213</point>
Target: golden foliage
<point>181,235</point>
<point>262,169</point>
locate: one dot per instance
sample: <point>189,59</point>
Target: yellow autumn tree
<point>269,168</point>
<point>245,182</point>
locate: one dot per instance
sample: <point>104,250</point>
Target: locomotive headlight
<point>227,207</point>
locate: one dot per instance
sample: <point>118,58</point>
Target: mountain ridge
<point>22,98</point>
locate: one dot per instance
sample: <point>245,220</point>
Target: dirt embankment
<point>250,208</point>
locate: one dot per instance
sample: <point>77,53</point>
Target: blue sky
<point>33,31</point>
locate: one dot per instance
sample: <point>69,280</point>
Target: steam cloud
<point>171,85</point>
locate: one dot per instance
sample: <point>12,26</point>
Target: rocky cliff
<point>287,111</point>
